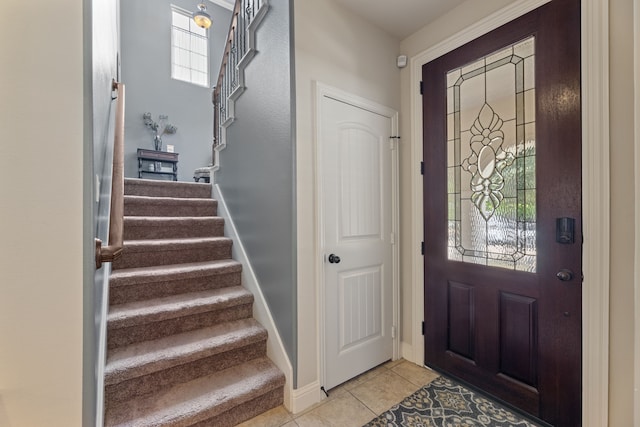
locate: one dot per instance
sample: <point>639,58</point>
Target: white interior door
<point>356,152</point>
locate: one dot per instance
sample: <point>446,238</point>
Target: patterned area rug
<point>445,403</point>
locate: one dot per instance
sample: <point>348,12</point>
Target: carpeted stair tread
<point>142,283</point>
<point>175,306</point>
<point>146,253</point>
<point>153,188</point>
<point>140,275</point>
<point>153,227</point>
<point>169,206</point>
<point>201,399</point>
<point>147,357</point>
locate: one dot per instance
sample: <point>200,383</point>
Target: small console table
<point>158,163</point>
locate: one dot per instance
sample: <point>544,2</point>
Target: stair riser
<point>147,384</point>
<point>246,411</point>
<point>178,254</point>
<point>128,335</point>
<point>204,228</point>
<point>164,209</point>
<point>123,294</point>
<point>166,189</point>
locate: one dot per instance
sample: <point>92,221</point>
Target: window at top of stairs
<point>189,49</point>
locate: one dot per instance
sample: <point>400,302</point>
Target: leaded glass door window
<point>491,159</point>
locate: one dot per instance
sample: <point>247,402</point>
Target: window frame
<point>174,45</point>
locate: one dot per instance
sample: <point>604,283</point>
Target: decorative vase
<point>157,142</point>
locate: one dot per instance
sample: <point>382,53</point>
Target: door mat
<point>445,403</point>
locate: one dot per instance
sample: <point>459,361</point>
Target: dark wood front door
<point>502,213</point>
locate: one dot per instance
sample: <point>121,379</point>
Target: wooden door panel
<point>519,338</point>
<point>461,324</point>
<point>496,316</point>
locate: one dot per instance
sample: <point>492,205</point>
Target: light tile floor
<point>355,402</point>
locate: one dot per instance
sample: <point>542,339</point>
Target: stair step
<point>152,319</point>
<point>141,312</point>
<point>147,253</point>
<point>153,188</point>
<point>182,346</point>
<point>169,206</point>
<point>142,368</point>
<point>136,284</point>
<point>151,227</point>
<point>222,399</point>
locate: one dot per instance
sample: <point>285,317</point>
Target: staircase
<point>182,347</point>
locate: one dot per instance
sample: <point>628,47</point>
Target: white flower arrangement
<point>160,128</point>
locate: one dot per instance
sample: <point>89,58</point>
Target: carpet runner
<point>183,348</point>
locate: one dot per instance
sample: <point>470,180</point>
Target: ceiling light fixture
<point>201,17</point>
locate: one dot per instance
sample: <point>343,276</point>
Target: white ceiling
<point>399,18</point>
<point>227,4</point>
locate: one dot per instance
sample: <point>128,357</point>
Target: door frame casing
<point>595,192</point>
<point>321,90</point>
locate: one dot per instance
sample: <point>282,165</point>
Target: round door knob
<point>564,275</point>
<point>334,259</point>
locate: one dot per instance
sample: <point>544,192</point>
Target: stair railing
<point>113,251</point>
<point>239,49</point>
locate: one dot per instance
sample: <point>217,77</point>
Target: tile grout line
<point>382,368</point>
<point>375,414</point>
<point>365,405</point>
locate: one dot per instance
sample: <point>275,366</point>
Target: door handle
<point>565,275</point>
<point>334,259</point>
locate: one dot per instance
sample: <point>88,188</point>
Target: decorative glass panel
<point>491,178</point>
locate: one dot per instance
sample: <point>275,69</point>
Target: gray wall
<point>100,67</point>
<point>145,29</point>
<point>257,170</point>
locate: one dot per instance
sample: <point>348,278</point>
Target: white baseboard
<point>275,347</point>
<point>305,397</point>
<point>407,353</point>
<point>102,346</point>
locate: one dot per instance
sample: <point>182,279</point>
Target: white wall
<point>41,122</point>
<point>338,48</point>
